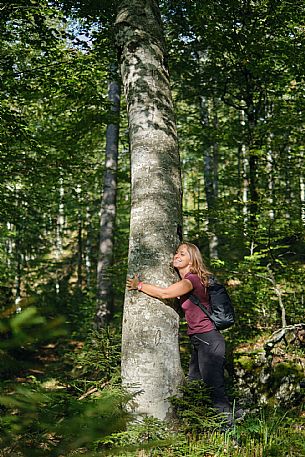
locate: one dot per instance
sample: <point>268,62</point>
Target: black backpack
<point>222,311</point>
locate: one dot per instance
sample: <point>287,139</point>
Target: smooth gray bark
<point>108,208</point>
<point>150,351</point>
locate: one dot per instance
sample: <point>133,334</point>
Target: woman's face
<point>182,258</point>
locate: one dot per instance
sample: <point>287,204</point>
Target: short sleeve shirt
<point>197,320</point>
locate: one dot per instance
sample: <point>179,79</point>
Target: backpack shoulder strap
<point>197,302</point>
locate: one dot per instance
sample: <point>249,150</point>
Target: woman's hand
<point>132,283</point>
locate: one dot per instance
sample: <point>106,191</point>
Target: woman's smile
<point>182,258</point>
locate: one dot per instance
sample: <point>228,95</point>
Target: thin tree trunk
<point>59,233</point>
<point>244,168</point>
<point>302,187</point>
<point>252,115</point>
<point>80,251</point>
<point>210,172</point>
<point>277,289</point>
<point>270,177</point>
<point>79,240</point>
<point>150,353</point>
<point>213,219</point>
<point>18,256</point>
<point>245,191</point>
<point>9,246</point>
<point>18,274</point>
<point>185,195</point>
<point>215,151</point>
<point>108,208</point>
<point>88,248</point>
<point>288,193</point>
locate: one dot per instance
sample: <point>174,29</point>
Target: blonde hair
<point>197,264</point>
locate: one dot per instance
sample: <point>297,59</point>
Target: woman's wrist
<point>139,286</point>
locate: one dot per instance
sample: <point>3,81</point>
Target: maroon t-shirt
<point>197,320</point>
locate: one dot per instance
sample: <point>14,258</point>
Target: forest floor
<point>275,431</point>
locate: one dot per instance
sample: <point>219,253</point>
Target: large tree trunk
<point>108,208</point>
<point>150,352</point>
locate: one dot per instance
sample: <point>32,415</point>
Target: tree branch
<point>278,335</point>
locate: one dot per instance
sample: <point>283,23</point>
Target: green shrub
<point>46,418</point>
<point>194,410</point>
<point>39,422</point>
<point>99,359</point>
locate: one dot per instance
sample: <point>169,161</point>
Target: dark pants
<point>207,363</point>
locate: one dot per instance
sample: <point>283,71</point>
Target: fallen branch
<point>93,391</point>
<point>278,335</point>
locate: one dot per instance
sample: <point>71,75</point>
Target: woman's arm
<point>174,290</point>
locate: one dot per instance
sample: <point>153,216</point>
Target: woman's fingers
<point>132,283</point>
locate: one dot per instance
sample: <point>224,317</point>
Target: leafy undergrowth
<point>198,432</point>
<point>263,433</point>
<point>49,405</point>
<point>61,397</point>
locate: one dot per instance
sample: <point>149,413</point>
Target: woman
<point>208,354</point>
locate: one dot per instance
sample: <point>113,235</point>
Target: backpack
<point>222,311</point>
